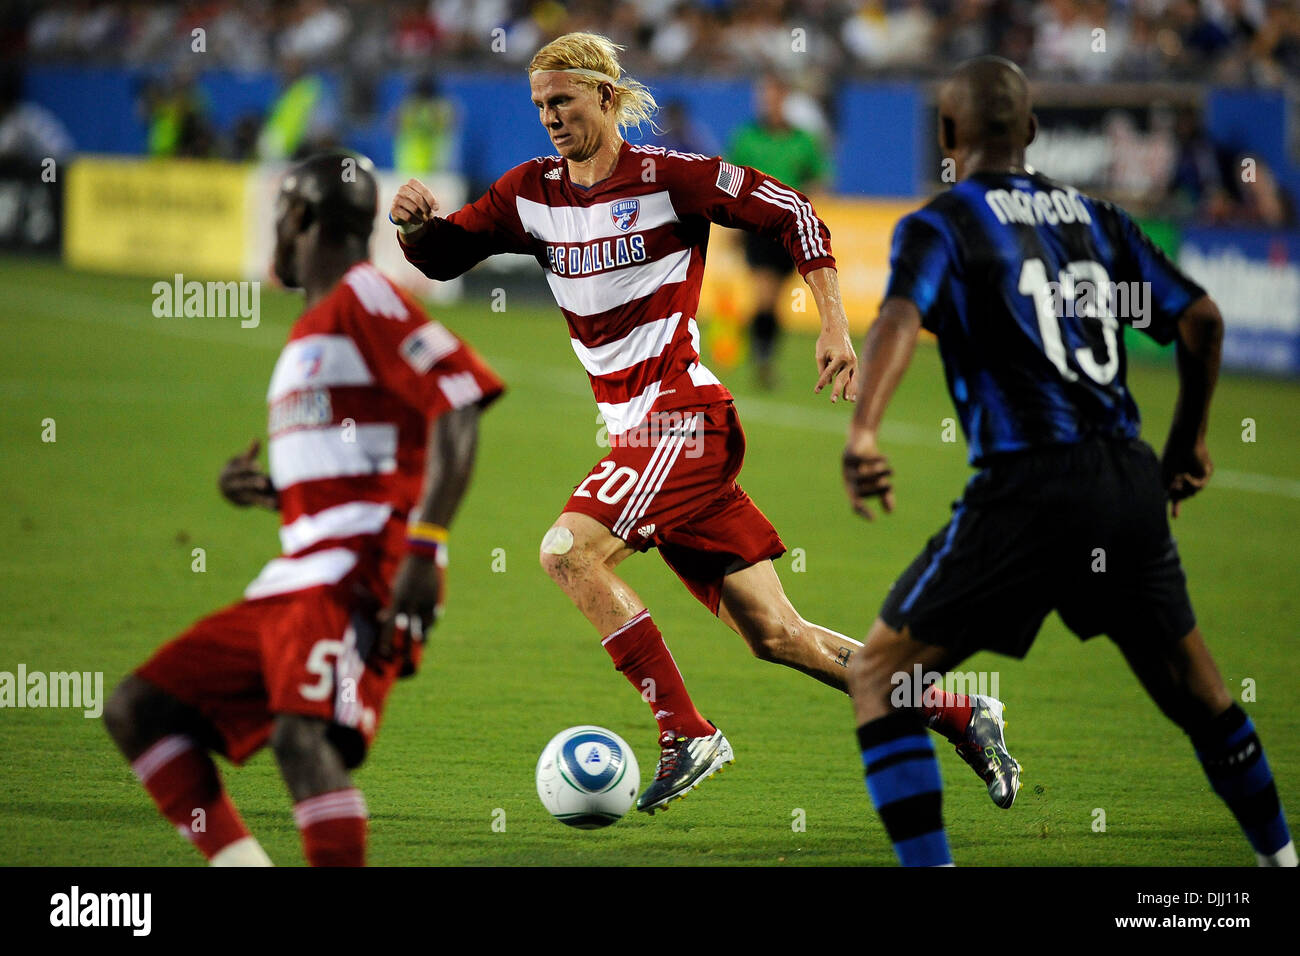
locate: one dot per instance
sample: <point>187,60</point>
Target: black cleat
<point>684,764</point>
<point>985,749</point>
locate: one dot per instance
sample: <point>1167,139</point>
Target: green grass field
<point>95,571</point>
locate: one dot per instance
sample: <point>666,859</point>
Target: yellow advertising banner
<point>157,216</point>
<point>861,230</point>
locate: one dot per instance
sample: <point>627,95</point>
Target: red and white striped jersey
<point>625,260</point>
<point>351,399</point>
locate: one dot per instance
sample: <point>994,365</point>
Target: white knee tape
<point>558,541</point>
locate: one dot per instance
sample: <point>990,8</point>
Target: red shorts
<point>671,485</point>
<point>297,653</point>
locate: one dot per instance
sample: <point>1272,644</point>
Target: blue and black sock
<point>904,783</point>
<point>1233,758</point>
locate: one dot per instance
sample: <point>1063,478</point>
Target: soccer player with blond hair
<point>621,232</point>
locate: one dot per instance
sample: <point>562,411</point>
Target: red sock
<point>949,715</point>
<point>183,781</point>
<point>333,828</point>
<point>639,651</point>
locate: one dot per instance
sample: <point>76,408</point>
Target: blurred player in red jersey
<point>373,427</point>
<point>621,233</point>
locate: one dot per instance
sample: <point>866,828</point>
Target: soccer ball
<point>587,777</point>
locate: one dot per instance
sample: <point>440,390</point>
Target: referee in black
<point>795,157</point>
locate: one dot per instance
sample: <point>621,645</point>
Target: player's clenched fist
<point>244,483</point>
<point>413,207</point>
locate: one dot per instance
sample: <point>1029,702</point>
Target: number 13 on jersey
<point>1087,287</point>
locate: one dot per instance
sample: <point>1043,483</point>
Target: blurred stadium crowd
<point>1182,111</point>
<point>1253,42</point>
<point>1166,164</point>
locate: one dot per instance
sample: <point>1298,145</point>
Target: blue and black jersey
<point>1026,283</point>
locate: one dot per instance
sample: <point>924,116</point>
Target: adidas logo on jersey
<point>646,530</point>
<point>555,173</point>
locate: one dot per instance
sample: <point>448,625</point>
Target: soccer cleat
<point>684,764</point>
<point>985,749</point>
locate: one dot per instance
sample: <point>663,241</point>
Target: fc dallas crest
<point>624,213</point>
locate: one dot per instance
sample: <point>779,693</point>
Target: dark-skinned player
<point>1026,283</point>
<point>373,425</point>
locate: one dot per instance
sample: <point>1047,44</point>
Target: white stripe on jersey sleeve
<point>312,453</point>
<point>788,205</point>
<point>591,295</point>
<point>814,224</point>
<point>621,416</point>
<point>644,342</point>
<point>341,521</point>
<point>318,361</point>
<point>802,209</point>
<point>814,230</point>
<point>282,575</point>
<point>375,293</point>
<point>460,389</point>
<point>578,224</point>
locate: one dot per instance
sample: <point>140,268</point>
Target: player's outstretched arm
<point>742,197</point>
<point>1186,465</point>
<point>243,482</point>
<point>419,583</point>
<point>444,248</point>
<point>886,354</point>
<point>837,364</point>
